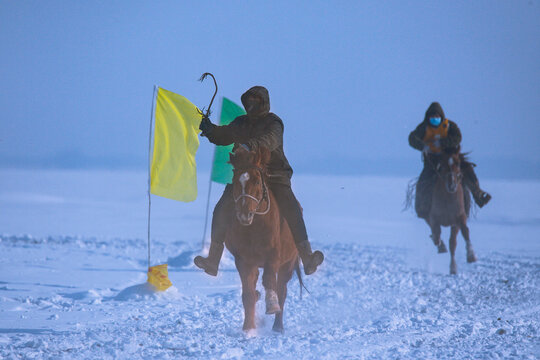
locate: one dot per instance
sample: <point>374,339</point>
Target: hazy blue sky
<point>350,79</point>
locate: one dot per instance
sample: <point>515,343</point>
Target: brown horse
<point>449,208</point>
<point>259,237</point>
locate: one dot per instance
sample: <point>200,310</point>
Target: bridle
<point>264,194</point>
<point>437,168</point>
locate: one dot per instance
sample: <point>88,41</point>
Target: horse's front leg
<point>248,276</point>
<point>436,236</point>
<point>471,256</point>
<point>270,284</point>
<point>453,244</point>
<point>285,273</point>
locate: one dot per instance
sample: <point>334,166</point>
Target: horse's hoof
<point>453,269</point>
<point>272,303</point>
<point>249,330</point>
<point>442,248</point>
<point>273,310</point>
<point>278,329</point>
<point>471,258</point>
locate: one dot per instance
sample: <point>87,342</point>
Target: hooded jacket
<point>450,141</point>
<point>258,128</point>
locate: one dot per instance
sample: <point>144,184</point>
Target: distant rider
<point>434,135</point>
<point>259,128</point>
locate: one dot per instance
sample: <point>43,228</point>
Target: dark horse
<point>259,237</point>
<point>449,206</point>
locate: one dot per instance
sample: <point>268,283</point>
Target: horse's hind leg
<point>248,275</point>
<point>284,275</point>
<point>453,244</point>
<point>471,256</point>
<point>436,237</point>
<point>270,287</point>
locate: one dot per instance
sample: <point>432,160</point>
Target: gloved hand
<point>445,143</point>
<point>205,126</point>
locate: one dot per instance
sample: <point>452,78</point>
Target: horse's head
<point>249,187</point>
<point>449,168</point>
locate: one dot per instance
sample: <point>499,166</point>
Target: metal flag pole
<point>150,168</point>
<point>203,76</point>
<point>207,205</point>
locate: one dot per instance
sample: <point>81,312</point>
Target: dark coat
<point>264,129</point>
<point>452,140</point>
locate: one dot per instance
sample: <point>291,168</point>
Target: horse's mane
<point>466,157</point>
<point>457,150</point>
<point>242,157</point>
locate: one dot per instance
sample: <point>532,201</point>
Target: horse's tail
<point>410,193</point>
<point>299,274</point>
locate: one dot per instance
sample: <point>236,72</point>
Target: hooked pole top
<point>201,79</point>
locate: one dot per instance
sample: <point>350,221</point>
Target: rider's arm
<point>453,139</point>
<point>223,135</point>
<point>271,139</point>
<point>416,137</point>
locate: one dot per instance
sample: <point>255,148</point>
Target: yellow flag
<point>173,170</point>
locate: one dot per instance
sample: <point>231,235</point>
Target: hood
<point>434,109</point>
<point>262,93</point>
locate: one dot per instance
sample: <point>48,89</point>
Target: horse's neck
<point>441,194</point>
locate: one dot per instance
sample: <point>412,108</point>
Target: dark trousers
<point>223,212</point>
<point>288,205</point>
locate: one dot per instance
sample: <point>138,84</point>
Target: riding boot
<point>311,260</point>
<point>210,264</point>
<point>220,221</point>
<point>481,197</point>
<point>470,180</point>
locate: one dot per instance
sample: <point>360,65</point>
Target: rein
<point>264,195</point>
<point>436,170</point>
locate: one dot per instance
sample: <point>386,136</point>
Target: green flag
<point>221,169</point>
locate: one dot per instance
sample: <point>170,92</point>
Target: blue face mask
<point>435,121</point>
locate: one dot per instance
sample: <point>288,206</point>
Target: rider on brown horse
<point>259,128</point>
<point>434,135</point>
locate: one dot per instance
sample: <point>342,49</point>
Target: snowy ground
<point>73,268</point>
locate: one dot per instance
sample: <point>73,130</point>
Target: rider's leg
<point>467,200</point>
<point>471,181</point>
<point>290,208</point>
<point>223,210</point>
<point>424,191</point>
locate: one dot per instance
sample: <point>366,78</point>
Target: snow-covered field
<point>73,271</point>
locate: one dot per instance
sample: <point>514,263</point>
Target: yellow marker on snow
<point>159,277</point>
